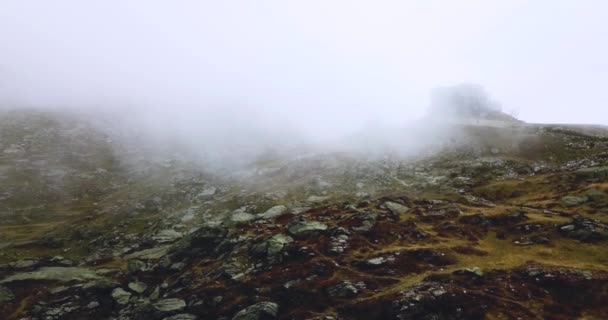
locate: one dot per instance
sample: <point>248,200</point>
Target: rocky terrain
<point>497,222</point>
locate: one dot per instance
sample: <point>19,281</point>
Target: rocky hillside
<point>490,223</point>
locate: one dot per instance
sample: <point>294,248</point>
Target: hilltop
<point>483,222</point>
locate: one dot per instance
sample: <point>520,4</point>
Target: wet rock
<point>258,311</point>
<point>396,208</point>
<point>6,295</point>
<point>181,316</point>
<point>121,296</point>
<point>273,212</point>
<point>138,287</point>
<point>167,235</point>
<point>304,228</point>
<point>55,273</point>
<point>344,289</point>
<point>170,304</point>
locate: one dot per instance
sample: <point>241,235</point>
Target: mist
<point>236,79</point>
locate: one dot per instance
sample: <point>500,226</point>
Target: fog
<point>237,75</point>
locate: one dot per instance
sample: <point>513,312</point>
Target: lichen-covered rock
<point>258,311</point>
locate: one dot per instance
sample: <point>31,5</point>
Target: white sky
<point>319,63</point>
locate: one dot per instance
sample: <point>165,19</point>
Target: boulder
<point>167,235</point>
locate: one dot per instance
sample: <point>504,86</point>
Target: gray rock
<point>475,270</point>
<point>592,174</point>
<point>181,316</point>
<point>317,199</point>
<point>344,289</point>
<point>149,254</point>
<point>138,287</point>
<point>396,207</point>
<point>301,228</point>
<point>167,235</point>
<point>258,311</point>
<point>239,216</point>
<point>273,248</point>
<point>170,304</point>
<point>55,273</point>
<point>6,295</point>
<point>207,193</point>
<point>136,265</point>
<point>273,212</point>
<point>24,264</point>
<point>571,201</point>
<point>92,305</point>
<point>121,296</point>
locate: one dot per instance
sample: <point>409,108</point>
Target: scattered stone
<point>317,199</point>
<point>121,296</point>
<point>55,273</point>
<point>344,289</point>
<point>24,264</point>
<point>301,228</point>
<point>475,270</point>
<point>396,207</point>
<point>273,248</point>
<point>207,193</point>
<point>136,265</point>
<point>170,304</point>
<point>167,235</point>
<point>592,174</point>
<point>92,305</point>
<point>181,316</point>
<point>367,221</point>
<point>273,212</point>
<point>138,287</point>
<point>6,295</point>
<point>572,201</point>
<point>258,311</point>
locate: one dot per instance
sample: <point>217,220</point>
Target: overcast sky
<point>318,62</point>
